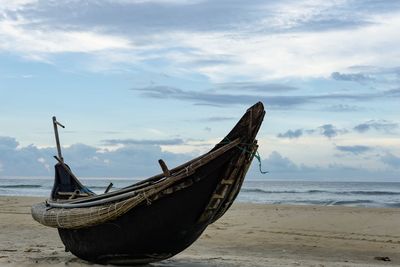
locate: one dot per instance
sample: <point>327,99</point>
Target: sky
<point>138,80</point>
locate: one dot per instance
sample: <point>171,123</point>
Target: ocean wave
<point>351,202</point>
<point>373,192</point>
<point>326,202</point>
<point>96,187</point>
<point>21,186</point>
<point>258,190</point>
<point>393,205</point>
<point>262,191</point>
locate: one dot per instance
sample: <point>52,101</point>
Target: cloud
<point>330,131</point>
<point>133,159</point>
<point>291,134</point>
<point>380,125</point>
<point>140,161</point>
<point>391,160</point>
<point>342,108</point>
<point>280,167</point>
<point>22,161</point>
<point>262,87</point>
<point>356,149</point>
<point>213,98</point>
<point>8,143</point>
<point>393,92</point>
<point>327,130</point>
<point>155,142</point>
<point>211,61</point>
<point>352,77</point>
<point>218,119</point>
<point>214,38</point>
<point>40,42</point>
<point>276,163</point>
<point>158,16</point>
<point>149,17</point>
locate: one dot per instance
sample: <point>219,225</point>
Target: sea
<point>356,194</point>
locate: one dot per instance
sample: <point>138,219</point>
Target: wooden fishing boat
<point>158,217</point>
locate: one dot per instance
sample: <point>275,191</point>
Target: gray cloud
<point>212,61</point>
<point>25,161</point>
<point>345,15</point>
<point>276,163</point>
<point>280,167</point>
<point>330,131</point>
<point>391,160</point>
<point>327,130</point>
<point>213,98</point>
<point>342,108</point>
<point>150,17</point>
<point>291,134</point>
<point>322,23</point>
<point>381,125</point>
<point>257,87</point>
<point>353,77</point>
<point>133,160</point>
<point>381,76</point>
<point>139,161</point>
<point>357,149</point>
<point>218,119</point>
<point>374,6</point>
<point>147,17</point>
<point>393,93</point>
<point>155,142</point>
<point>8,143</point>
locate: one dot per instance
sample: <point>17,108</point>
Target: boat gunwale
<point>130,191</point>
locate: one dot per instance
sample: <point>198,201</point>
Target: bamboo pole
<point>55,124</point>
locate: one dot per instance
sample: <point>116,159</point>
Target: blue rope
<point>258,157</point>
<point>86,190</point>
<point>255,154</point>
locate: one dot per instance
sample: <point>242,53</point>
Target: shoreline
<point>247,235</point>
<point>350,194</point>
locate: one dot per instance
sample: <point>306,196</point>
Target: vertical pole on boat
<point>55,124</point>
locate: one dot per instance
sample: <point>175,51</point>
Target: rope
<point>255,154</point>
<point>258,157</point>
<point>86,190</point>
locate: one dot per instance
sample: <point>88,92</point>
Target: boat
<point>158,217</point>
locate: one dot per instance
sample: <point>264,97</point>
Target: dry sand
<point>247,235</point>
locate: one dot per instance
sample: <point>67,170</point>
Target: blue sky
<point>139,80</point>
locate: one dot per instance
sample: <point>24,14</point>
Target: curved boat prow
<point>247,127</point>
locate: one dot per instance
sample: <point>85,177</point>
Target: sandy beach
<point>247,235</point>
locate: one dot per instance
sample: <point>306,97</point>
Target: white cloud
<point>186,2</point>
<point>281,44</point>
<point>37,43</point>
<point>300,54</point>
<point>6,5</point>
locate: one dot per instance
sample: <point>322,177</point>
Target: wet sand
<point>247,235</point>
